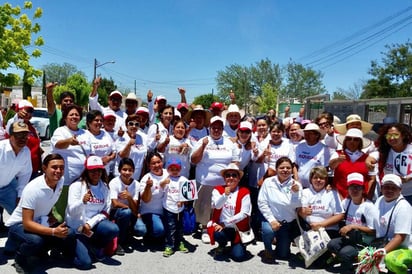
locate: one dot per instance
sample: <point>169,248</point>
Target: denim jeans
<point>32,245</point>
<point>346,253</point>
<point>125,219</point>
<point>104,232</point>
<point>238,251</point>
<point>8,196</point>
<point>283,239</point>
<point>174,228</point>
<point>154,225</point>
<point>139,228</point>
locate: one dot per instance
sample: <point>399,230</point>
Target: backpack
<point>189,220</point>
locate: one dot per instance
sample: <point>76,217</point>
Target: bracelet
<point>53,232</point>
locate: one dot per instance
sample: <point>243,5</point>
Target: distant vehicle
<point>40,121</point>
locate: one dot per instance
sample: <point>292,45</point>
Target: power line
<point>356,34</point>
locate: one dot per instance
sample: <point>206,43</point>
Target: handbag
<point>312,243</point>
<point>246,237</point>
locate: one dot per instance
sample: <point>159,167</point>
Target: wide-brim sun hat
<point>233,108</point>
<point>365,126</point>
<point>312,127</point>
<point>354,133</point>
<point>232,167</point>
<point>200,108</point>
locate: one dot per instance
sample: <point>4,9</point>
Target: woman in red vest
<point>351,159</point>
<point>231,212</point>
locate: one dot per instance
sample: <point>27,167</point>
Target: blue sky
<point>166,44</point>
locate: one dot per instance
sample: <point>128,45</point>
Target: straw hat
<point>200,108</point>
<point>365,126</point>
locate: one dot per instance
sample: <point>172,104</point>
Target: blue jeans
<point>8,196</point>
<point>238,250</point>
<point>32,245</point>
<point>125,219</point>
<point>154,225</point>
<point>139,228</point>
<point>174,228</point>
<point>282,239</point>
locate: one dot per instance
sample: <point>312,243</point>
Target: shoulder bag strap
<point>390,218</point>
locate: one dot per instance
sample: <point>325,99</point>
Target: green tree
<point>339,95</point>
<point>106,86</point>
<point>302,82</point>
<point>19,42</point>
<point>392,78</point>
<point>248,82</point>
<point>205,100</point>
<point>268,98</point>
<point>60,73</point>
<point>77,84</point>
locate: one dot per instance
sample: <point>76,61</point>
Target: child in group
<point>173,208</point>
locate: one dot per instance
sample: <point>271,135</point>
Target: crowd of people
<point>113,174</point>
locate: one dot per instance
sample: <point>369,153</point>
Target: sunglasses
<point>231,174</point>
<point>325,124</point>
<point>115,99</point>
<point>354,139</point>
<point>131,124</point>
<point>392,136</point>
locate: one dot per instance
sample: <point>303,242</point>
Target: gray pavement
<point>198,260</point>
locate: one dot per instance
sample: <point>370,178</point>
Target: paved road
<point>199,260</point>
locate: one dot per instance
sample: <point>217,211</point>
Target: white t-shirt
<point>37,196</point>
<point>364,214</point>
<point>172,194</point>
<point>102,145</point>
<point>278,151</point>
<point>116,186</point>
<point>78,213</point>
<point>155,205</point>
<point>324,204</point>
<point>74,156</point>
<point>216,156</point>
<point>401,222</point>
<point>120,114</point>
<point>401,164</point>
<point>197,134</point>
<point>308,157</point>
<point>137,152</point>
<point>228,206</point>
<point>172,151</point>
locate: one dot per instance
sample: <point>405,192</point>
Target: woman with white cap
<point>210,155</point>
<point>395,150</point>
<point>233,116</point>
<point>310,153</point>
<point>232,209</point>
<point>88,210</point>
<point>395,219</point>
<point>198,121</point>
<point>360,218</point>
<point>352,159</point>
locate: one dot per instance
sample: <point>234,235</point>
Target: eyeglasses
<point>131,124</point>
<point>115,99</point>
<point>231,174</point>
<point>392,136</point>
<point>354,139</point>
<point>324,124</point>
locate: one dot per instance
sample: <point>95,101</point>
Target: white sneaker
<point>205,237</point>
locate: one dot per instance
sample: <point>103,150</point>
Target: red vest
<point>346,167</point>
<point>242,225</point>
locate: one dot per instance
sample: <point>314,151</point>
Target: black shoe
<point>120,251</point>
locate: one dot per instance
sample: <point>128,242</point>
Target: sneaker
<point>168,252</point>
<point>205,237</point>
<point>120,251</point>
<point>183,248</point>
